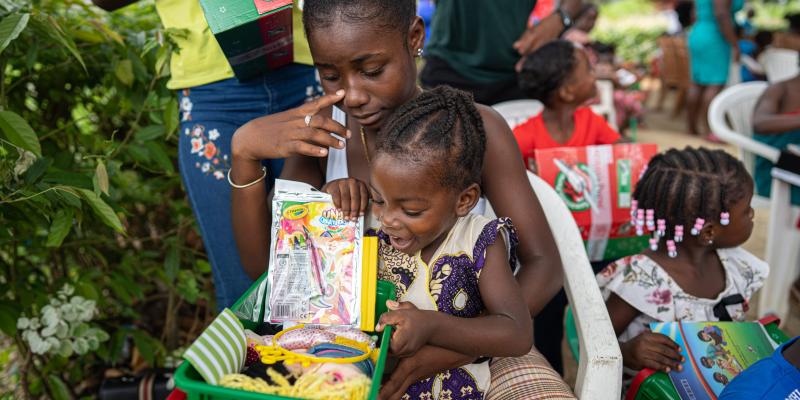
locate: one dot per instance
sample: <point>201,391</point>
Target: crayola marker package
<point>315,269</point>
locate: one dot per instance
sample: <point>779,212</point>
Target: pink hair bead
<point>651,223</point>
<point>724,218</point>
<point>654,243</point>
<point>634,207</point>
<point>678,233</point>
<point>672,251</point>
<point>639,222</point>
<point>698,226</point>
<point>662,227</point>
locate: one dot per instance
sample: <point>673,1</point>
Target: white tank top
<point>337,161</point>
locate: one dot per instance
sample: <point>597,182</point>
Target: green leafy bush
<point>91,204</point>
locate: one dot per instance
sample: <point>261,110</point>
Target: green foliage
<point>89,195</point>
<point>632,43</point>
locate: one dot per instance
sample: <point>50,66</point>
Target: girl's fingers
<point>320,103</point>
<point>318,137</point>
<point>364,198</point>
<point>345,202</point>
<point>355,198</point>
<point>307,149</point>
<point>328,125</point>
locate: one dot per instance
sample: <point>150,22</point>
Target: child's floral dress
<point>642,283</point>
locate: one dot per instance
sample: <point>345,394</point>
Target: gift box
<point>255,35</point>
<point>597,183</point>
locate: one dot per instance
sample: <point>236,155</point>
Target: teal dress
<point>763,167</point>
<point>709,53</point>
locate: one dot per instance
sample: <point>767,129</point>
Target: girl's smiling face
<point>375,66</point>
<point>413,207</point>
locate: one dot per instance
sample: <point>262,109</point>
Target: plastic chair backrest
<point>515,112</point>
<point>779,64</point>
<point>730,116</point>
<point>600,364</point>
<point>605,90</point>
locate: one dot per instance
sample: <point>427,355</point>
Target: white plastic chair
<point>737,104</point>
<point>600,365</point>
<point>516,112</point>
<point>605,90</point>
<point>779,64</point>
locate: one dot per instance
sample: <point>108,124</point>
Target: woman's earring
<point>419,52</point>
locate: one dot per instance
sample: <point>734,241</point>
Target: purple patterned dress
<point>449,284</point>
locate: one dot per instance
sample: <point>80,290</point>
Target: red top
<point>590,129</point>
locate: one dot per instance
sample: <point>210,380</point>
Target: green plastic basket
<point>189,380</point>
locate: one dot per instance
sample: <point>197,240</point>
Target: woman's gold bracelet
<point>246,185</point>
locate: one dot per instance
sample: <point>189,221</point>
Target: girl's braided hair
<point>440,128</point>
<point>386,14</point>
<point>682,185</point>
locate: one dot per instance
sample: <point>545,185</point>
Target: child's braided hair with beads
<point>441,128</point>
<point>681,186</point>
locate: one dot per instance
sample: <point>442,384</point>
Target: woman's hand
<point>427,362</point>
<point>652,350</point>
<point>289,133</point>
<point>412,328</point>
<point>349,195</point>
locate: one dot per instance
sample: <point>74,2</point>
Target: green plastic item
<point>189,380</point>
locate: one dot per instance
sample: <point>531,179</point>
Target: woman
<point>365,53</point>
<point>712,46</point>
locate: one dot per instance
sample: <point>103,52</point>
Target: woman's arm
<point>281,135</point>
<point>506,185</point>
<point>724,17</point>
<point>767,118</point>
<point>504,330</point>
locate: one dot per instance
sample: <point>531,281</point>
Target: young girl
<point>452,269</point>
<point>365,51</point>
<point>560,76</point>
<point>695,205</point>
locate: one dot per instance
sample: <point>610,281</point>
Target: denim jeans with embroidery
<point>210,114</point>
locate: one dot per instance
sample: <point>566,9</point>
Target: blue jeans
<point>210,114</point>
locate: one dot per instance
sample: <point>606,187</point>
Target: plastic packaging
<point>315,259</point>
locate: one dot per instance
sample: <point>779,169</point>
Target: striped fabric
<point>526,377</point>
<point>220,350</point>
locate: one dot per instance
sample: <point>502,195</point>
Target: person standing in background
<point>712,46</point>
<point>213,104</point>
<point>475,44</point>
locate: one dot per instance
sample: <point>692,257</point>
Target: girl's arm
<point>504,330</point>
<point>648,350</point>
<point>281,135</point>
<point>767,118</point>
<point>506,185</point>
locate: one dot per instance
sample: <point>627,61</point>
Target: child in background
<point>560,76</point>
<point>452,269</point>
<point>695,204</point>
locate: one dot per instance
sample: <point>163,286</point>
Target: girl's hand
<point>412,331</point>
<point>349,195</point>
<point>652,350</point>
<point>286,133</point>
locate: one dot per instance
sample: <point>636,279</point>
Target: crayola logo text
<point>296,211</point>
